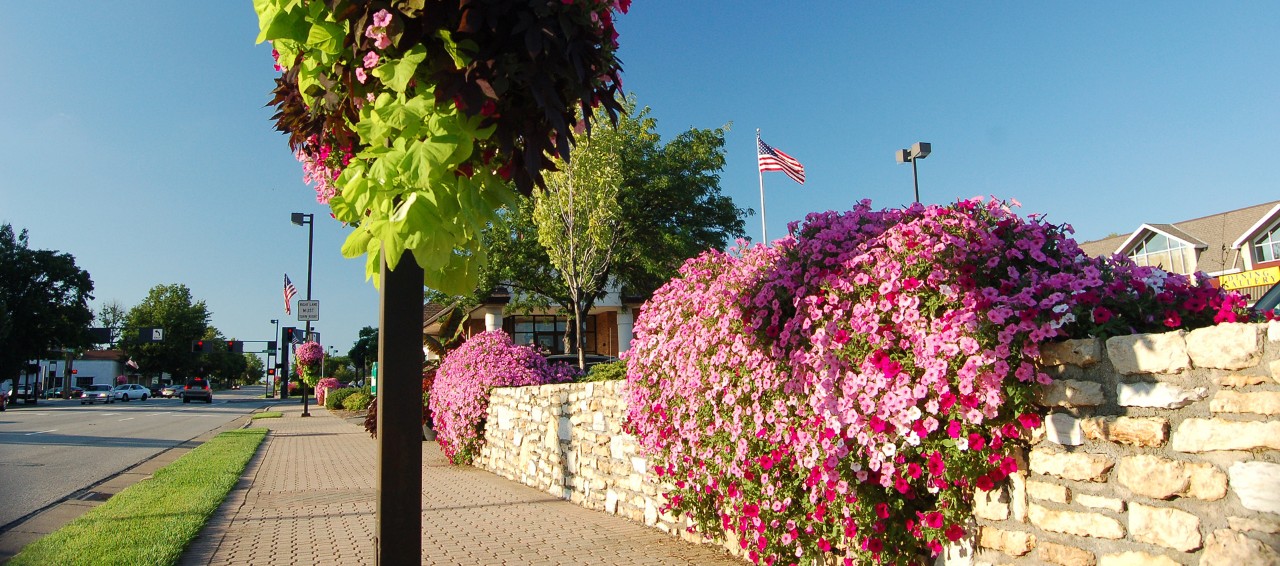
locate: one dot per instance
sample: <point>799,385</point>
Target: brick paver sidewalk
<point>308,498</point>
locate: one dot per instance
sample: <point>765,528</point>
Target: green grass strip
<point>267,415</point>
<point>152,521</point>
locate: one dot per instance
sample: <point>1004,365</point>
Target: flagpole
<point>764,232</point>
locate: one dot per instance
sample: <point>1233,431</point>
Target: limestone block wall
<point>1157,449</point>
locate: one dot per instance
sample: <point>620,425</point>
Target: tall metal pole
<point>398,534</point>
<point>311,237</point>
<point>274,358</point>
<point>764,232</point>
<point>916,179</point>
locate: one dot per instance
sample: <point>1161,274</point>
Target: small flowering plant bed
<point>845,391</point>
<point>460,393</point>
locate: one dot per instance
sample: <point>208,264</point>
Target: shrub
<point>357,401</point>
<point>606,372</point>
<point>335,398</point>
<point>846,390</point>
<point>460,395</point>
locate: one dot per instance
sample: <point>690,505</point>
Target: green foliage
<point>111,315</point>
<point>365,351</point>
<point>220,363</point>
<point>464,96</point>
<point>357,401</point>
<point>254,369</point>
<point>671,208</point>
<point>267,415</point>
<point>169,307</point>
<point>152,522</point>
<point>333,399</point>
<point>606,372</point>
<point>44,302</point>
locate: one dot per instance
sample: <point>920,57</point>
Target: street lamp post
<point>919,150</point>
<point>309,220</point>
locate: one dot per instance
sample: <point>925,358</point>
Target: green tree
<point>171,308</point>
<point>44,302</point>
<point>218,361</point>
<point>579,222</point>
<point>365,350</point>
<point>254,369</point>
<point>112,316</point>
<point>672,210</point>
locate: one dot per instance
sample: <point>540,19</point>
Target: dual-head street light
<point>919,150</point>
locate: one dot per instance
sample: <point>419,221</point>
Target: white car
<point>131,391</point>
<point>97,393</point>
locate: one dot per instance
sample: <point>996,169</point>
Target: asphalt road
<point>55,448</point>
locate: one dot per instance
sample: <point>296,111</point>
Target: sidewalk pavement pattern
<point>308,497</point>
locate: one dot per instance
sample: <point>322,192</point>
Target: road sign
<point>151,335</point>
<point>308,310</point>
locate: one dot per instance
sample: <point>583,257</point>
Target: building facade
<point>1238,249</point>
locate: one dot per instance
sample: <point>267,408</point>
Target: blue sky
<point>134,134</point>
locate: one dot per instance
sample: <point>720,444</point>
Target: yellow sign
<point>1255,278</point>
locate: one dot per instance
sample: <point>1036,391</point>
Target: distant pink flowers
<point>847,389</point>
<point>460,395</point>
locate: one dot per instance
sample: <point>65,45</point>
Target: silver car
<point>98,394</point>
<point>127,391</point>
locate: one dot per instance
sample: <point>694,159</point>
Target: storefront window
<point>547,332</point>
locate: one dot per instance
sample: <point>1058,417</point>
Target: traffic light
<point>235,346</point>
<point>271,345</point>
<point>286,334</point>
<point>197,346</point>
<point>271,371</point>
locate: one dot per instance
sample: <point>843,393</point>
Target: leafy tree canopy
<point>365,351</point>
<point>171,308</point>
<point>44,302</point>
<point>671,210</point>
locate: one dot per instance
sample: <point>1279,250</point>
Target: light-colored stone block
<point>1157,395</point>
<point>1134,558</point>
<point>1078,466</point>
<point>1260,402</point>
<point>1267,525</point>
<point>1257,484</point>
<point>1135,431</point>
<point>991,505</point>
<point>1075,523</point>
<point>1064,555</point>
<point>1048,491</point>
<point>1164,526</point>
<point>1205,435</point>
<point>1207,482</point>
<point>1013,543</point>
<point>1098,502</point>
<point>1072,393</point>
<point>1226,346</point>
<point>1064,429</point>
<point>1226,547</point>
<point>1240,380</point>
<point>1153,476</point>
<point>1082,352</point>
<point>1149,353</point>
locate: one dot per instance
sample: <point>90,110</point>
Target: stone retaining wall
<point>1157,449</point>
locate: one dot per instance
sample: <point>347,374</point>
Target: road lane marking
<point>128,419</point>
<point>157,414</point>
<point>42,432</point>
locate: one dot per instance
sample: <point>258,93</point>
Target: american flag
<point>289,292</point>
<point>771,159</point>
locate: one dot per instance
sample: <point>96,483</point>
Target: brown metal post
<point>398,535</point>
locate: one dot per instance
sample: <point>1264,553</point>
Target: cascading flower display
<point>308,356</point>
<point>460,393</point>
<point>845,391</point>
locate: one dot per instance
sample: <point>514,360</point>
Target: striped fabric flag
<point>289,292</point>
<point>771,159</point>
